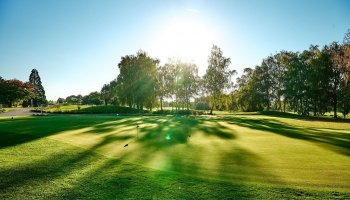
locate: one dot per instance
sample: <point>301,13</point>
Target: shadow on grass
<point>302,117</point>
<point>179,130</point>
<point>82,174</point>
<point>18,131</point>
<point>337,142</point>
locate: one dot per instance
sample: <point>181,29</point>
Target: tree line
<point>144,83</point>
<point>311,82</point>
<point>16,92</point>
<point>314,81</point>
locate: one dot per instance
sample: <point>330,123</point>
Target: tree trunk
<point>211,109</point>
<point>161,104</point>
<point>315,108</point>
<point>335,105</point>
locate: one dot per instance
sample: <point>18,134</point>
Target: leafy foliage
<point>39,92</point>
<point>14,91</point>
<point>137,80</point>
<point>218,76</point>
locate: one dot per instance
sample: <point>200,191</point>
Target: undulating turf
<point>174,157</point>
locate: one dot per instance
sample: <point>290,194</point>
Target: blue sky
<point>76,45</point>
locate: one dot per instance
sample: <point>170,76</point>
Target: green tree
<point>186,83</point>
<point>218,75</point>
<point>338,70</point>
<point>345,83</point>
<point>14,91</point>
<point>94,98</point>
<point>39,92</point>
<point>137,80</point>
<point>165,82</point>
<point>109,93</point>
<point>74,99</point>
<point>106,93</point>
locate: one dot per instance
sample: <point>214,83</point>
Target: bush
<point>173,112</point>
<point>202,106</point>
<point>198,112</point>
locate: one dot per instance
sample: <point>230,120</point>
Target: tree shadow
<point>44,170</point>
<point>302,117</point>
<point>337,142</point>
<point>19,131</point>
<point>179,130</point>
<point>182,177</point>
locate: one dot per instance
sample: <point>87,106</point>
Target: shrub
<point>202,106</point>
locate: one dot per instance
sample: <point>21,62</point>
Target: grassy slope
<point>243,156</point>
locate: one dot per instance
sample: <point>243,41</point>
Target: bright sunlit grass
<point>237,156</point>
<point>64,108</point>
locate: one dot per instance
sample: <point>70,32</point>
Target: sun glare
<point>188,39</point>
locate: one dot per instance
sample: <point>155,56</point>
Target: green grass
<point>9,109</point>
<point>56,108</point>
<point>87,109</point>
<point>181,157</point>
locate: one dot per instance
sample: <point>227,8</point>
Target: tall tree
<point>186,83</point>
<point>165,82</point>
<point>218,75</point>
<point>338,71</point>
<point>106,93</point>
<point>137,80</point>
<point>39,92</point>
<point>344,90</point>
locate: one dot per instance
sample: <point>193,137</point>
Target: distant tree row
<point>16,92</point>
<point>94,98</point>
<point>314,81</point>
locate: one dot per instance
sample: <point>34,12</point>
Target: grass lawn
<point>9,109</point>
<point>174,157</point>
<point>65,108</point>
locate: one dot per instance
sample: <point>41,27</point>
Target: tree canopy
<point>39,92</point>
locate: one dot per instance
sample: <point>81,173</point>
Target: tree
<point>109,93</point>
<point>60,100</point>
<point>13,91</point>
<point>346,39</point>
<point>275,75</point>
<point>218,76</point>
<point>336,54</point>
<point>39,92</point>
<point>137,80</point>
<point>165,82</point>
<point>74,99</point>
<point>94,98</point>
<point>186,83</point>
<point>106,93</point>
<point>344,90</point>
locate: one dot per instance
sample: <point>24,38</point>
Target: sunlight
<point>187,38</point>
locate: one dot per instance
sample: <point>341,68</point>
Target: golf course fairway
<point>246,156</point>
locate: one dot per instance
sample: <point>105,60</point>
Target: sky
<point>76,45</point>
